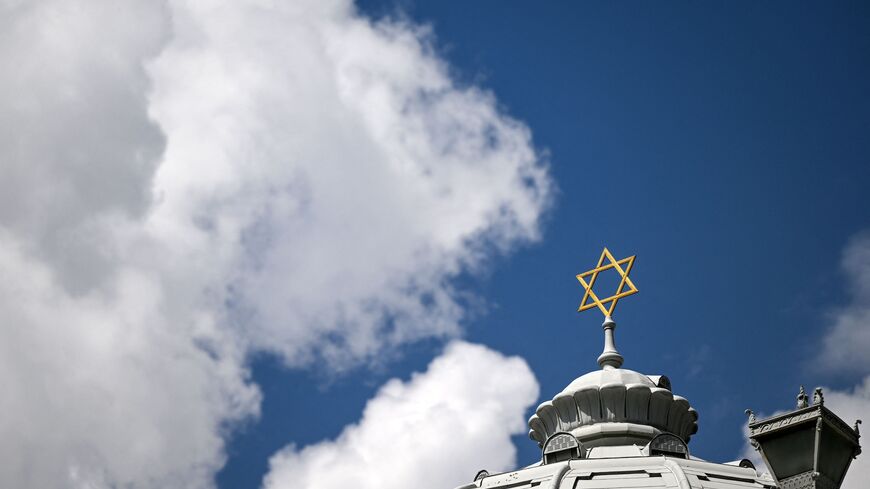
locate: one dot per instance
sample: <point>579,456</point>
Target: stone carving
<point>751,415</point>
<point>785,420</point>
<point>818,398</point>
<point>779,423</point>
<point>802,398</point>
<point>808,480</point>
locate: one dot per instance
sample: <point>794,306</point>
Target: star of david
<point>620,291</point>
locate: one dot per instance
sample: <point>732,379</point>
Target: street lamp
<point>807,448</point>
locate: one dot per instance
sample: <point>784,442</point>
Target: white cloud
<point>107,388</point>
<point>847,344</point>
<point>76,145</point>
<point>434,431</point>
<point>845,349</point>
<point>358,176</point>
<point>189,182</point>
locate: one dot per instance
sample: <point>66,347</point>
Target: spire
<point>609,358</point>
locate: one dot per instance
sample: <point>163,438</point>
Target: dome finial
<point>609,358</point>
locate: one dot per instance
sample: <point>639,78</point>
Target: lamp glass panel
<point>835,454</point>
<point>790,453</point>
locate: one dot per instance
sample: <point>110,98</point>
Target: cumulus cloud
<point>847,344</point>
<point>336,171</point>
<point>110,387</point>
<point>77,148</point>
<point>845,349</point>
<point>434,431</point>
<point>185,183</point>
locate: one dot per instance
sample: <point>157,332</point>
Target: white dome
<point>598,378</point>
<point>615,406</point>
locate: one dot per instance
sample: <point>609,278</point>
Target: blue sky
<point>725,145</point>
<point>289,244</point>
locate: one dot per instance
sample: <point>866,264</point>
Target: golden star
<point>600,303</point>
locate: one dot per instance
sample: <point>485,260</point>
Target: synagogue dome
<point>615,406</point>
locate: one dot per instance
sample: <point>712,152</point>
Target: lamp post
<point>807,448</point>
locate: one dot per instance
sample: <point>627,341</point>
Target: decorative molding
<point>840,425</point>
<point>787,420</point>
<point>781,421</point>
<point>808,480</point>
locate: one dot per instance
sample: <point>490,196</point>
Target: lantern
<point>807,448</point>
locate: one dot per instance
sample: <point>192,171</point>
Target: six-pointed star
<point>600,303</point>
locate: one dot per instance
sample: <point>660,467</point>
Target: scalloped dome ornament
<point>613,406</point>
